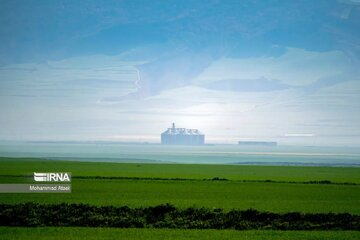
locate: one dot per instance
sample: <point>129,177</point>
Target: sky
<point>265,70</point>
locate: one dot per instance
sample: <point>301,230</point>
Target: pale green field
<point>192,190</point>
<point>71,233</point>
<point>14,166</point>
<point>274,197</point>
<point>263,196</point>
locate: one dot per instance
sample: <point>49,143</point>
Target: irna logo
<point>52,177</point>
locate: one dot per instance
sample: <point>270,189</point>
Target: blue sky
<point>285,71</point>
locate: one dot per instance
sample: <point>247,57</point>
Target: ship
<point>182,136</point>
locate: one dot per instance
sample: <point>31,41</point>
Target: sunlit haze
<point>285,71</point>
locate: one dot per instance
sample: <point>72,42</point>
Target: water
<point>208,154</point>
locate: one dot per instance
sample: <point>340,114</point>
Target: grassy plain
<point>275,197</point>
<point>76,233</point>
<point>263,196</point>
<point>191,190</point>
<point>21,166</point>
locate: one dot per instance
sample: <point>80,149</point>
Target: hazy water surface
<point>216,154</point>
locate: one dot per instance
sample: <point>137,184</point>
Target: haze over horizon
<point>274,70</point>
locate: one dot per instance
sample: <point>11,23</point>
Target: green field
<point>263,196</point>
<point>273,197</point>
<point>9,166</point>
<point>168,234</point>
<point>136,185</point>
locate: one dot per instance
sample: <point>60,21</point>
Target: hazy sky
<point>287,71</point>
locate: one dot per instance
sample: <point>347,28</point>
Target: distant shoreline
<point>169,154</point>
<point>149,161</point>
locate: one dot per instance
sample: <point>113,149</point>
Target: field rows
<point>263,196</point>
<point>232,194</point>
<point>70,233</point>
<point>9,166</point>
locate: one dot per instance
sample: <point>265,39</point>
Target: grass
<point>76,233</point>
<point>274,197</point>
<point>13,166</point>
<point>263,196</point>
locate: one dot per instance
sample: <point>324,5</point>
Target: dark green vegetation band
<point>168,216</point>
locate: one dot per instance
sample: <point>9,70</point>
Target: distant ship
<point>257,143</point>
<point>182,136</point>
